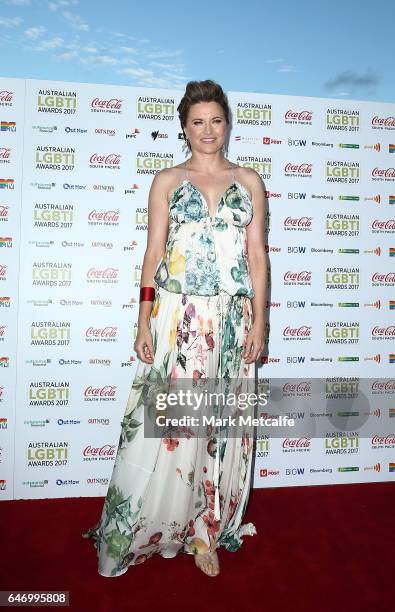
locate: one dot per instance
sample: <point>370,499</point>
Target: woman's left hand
<point>254,343</point>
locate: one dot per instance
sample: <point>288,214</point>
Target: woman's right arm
<point>158,227</point>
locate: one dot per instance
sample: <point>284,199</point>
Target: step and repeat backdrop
<point>76,164</point>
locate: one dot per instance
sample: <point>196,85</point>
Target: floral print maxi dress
<point>170,494</point>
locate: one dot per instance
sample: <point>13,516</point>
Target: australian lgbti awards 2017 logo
<point>155,109</point>
<point>148,162</point>
<point>50,214</point>
<point>342,332</point>
<point>50,333</point>
<point>56,101</point>
<point>259,163</point>
<point>45,393</point>
<point>342,224</point>
<point>55,158</point>
<point>339,171</point>
<point>253,114</point>
<point>342,278</point>
<point>47,454</point>
<point>51,273</point>
<point>342,119</point>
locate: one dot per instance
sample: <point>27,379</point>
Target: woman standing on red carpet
<point>201,318</point>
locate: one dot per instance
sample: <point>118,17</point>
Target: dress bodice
<point>205,254</point>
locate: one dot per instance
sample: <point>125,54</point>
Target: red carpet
<point>322,548</point>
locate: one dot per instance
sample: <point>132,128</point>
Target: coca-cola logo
<point>109,273</point>
<point>389,224</point>
<point>105,391</point>
<point>386,172</point>
<point>299,168</point>
<point>296,442</point>
<point>303,331</point>
<point>113,159</point>
<point>107,450</point>
<point>6,96</point>
<point>303,276</point>
<point>383,278</point>
<point>298,221</point>
<point>388,439</point>
<point>101,332</point>
<point>300,387</point>
<point>386,385</point>
<point>104,215</point>
<point>383,331</point>
<point>303,115</point>
<point>111,104</point>
<point>386,121</point>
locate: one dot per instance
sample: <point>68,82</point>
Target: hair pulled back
<point>201,91</point>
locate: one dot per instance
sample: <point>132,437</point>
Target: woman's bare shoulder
<point>249,177</point>
<point>168,178</point>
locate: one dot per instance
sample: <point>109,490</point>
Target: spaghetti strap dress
<point>167,493</point>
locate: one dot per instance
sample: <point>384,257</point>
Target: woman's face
<point>206,127</point>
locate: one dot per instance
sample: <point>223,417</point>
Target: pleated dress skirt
<point>181,493</point>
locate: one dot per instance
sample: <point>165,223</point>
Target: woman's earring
<point>185,146</point>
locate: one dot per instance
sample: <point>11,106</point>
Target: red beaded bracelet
<point>147,294</point>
